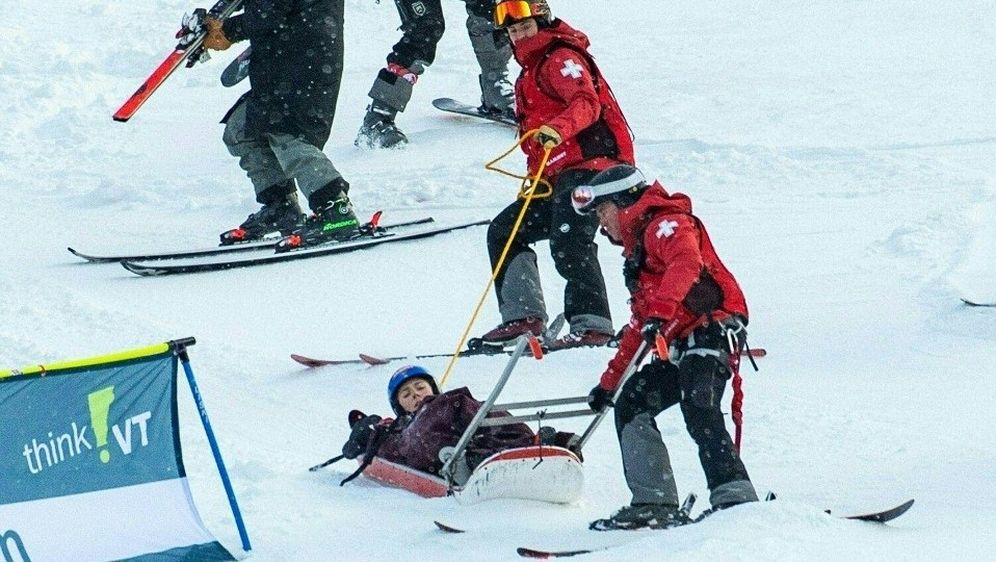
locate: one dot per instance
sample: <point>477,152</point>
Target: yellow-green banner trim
<point>126,355</point>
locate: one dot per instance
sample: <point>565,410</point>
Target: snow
<point>842,154</point>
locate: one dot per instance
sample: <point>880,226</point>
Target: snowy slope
<point>842,154</point>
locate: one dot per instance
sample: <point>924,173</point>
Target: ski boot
<point>507,332</point>
<point>283,216</point>
<point>581,338</point>
<point>334,222</point>
<point>642,516</point>
<point>378,129</point>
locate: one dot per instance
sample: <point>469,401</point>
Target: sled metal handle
<point>535,403</point>
<point>634,363</point>
<point>508,420</point>
<point>447,469</point>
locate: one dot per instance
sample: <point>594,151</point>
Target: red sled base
<point>539,473</point>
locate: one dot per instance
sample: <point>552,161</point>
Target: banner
<point>91,466</point>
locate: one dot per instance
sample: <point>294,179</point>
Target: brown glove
<point>215,40</point>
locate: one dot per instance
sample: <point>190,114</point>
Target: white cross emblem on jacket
<point>572,69</point>
<point>666,229</point>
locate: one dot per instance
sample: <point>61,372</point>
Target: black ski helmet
<point>622,184</point>
<point>508,12</point>
<point>400,377</point>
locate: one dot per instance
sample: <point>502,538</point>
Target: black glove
<point>651,329</point>
<point>360,436</point>
<point>599,398</point>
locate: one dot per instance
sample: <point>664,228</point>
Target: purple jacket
<point>438,423</point>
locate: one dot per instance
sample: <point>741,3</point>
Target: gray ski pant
<point>276,158</point>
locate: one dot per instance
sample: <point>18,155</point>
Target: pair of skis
<point>219,257</point>
<point>880,517</point>
<point>486,350</point>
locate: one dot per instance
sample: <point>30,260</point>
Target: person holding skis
<point>691,311</point>
<point>422,27</point>
<point>562,94</point>
<point>277,130</point>
<point>428,422</point>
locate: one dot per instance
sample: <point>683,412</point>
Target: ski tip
<point>883,516</point>
<point>975,303</point>
<point>447,528</point>
<point>140,269</point>
<point>306,361</point>
<point>531,553</point>
<point>371,360</point>
<point>547,554</point>
<point>89,258</point>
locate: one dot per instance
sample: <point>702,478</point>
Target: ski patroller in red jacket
<point>557,88</point>
<point>680,278</point>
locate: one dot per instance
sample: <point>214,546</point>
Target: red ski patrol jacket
<point>673,273</point>
<point>561,86</point>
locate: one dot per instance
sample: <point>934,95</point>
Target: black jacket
<point>296,66</point>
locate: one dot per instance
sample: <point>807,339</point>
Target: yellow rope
<point>527,193</point>
<point>528,183</point>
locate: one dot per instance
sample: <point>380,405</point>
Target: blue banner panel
<point>90,429</point>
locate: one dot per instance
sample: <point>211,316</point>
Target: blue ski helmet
<point>400,377</point>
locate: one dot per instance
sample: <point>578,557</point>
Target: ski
<point>190,49</point>
<point>237,70</point>
<point>312,363</point>
<point>547,554</point>
<point>975,303</point>
<point>882,517</point>
<point>219,250</point>
<point>367,241</point>
<point>373,360</point>
<point>448,528</point>
<point>451,105</point>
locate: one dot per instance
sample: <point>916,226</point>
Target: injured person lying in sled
<point>444,444</point>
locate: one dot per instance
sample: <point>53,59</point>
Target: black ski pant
<point>696,384</point>
<point>422,27</point>
<point>574,252</point>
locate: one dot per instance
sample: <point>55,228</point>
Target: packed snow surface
<point>842,154</point>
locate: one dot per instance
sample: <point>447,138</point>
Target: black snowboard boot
<point>378,129</point>
<point>334,222</point>
<point>281,215</point>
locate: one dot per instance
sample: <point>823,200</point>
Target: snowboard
<point>237,70</point>
<point>451,105</point>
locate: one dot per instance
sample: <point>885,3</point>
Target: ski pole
<point>631,368</point>
<point>326,463</point>
<point>528,195</point>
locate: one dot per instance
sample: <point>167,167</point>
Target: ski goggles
<point>508,12</point>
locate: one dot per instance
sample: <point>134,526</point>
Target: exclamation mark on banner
<point>100,407</point>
